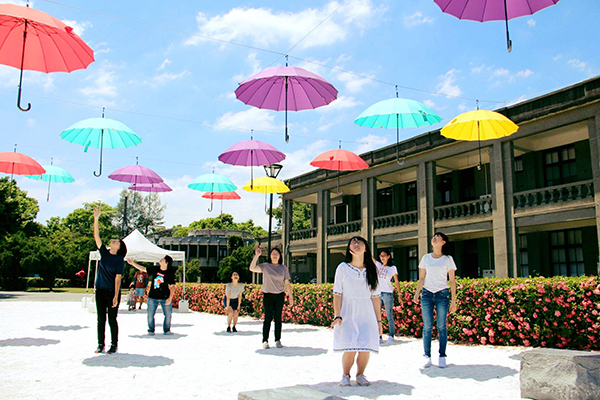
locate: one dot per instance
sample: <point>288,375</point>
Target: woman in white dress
<point>357,307</point>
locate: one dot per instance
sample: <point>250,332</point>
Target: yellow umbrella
<point>266,185</point>
<point>479,125</point>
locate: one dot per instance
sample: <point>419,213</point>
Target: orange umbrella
<point>339,160</point>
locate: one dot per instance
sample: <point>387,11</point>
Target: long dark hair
<point>169,261</point>
<point>445,247</point>
<point>389,255</point>
<point>372,278</point>
<point>122,249</point>
<point>280,256</point>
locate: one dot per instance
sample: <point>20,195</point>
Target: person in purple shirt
<point>108,285</point>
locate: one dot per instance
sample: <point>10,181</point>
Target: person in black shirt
<point>162,287</point>
<point>108,285</point>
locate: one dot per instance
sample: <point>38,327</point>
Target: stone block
<point>287,393</point>
<point>548,374</point>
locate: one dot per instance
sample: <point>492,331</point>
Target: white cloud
<point>30,122</point>
<point>462,107</point>
<point>582,66</point>
<point>101,48</point>
<point>429,103</point>
<point>557,57</point>
<point>265,27</point>
<point>252,118</point>
<point>501,72</point>
<point>531,22</point>
<point>448,85</point>
<point>255,65</point>
<point>526,73</point>
<point>477,70</point>
<point>417,19</point>
<point>166,77</point>
<point>341,103</point>
<point>103,85</point>
<point>164,64</point>
<point>354,83</point>
<point>78,27</point>
<point>517,100</point>
<point>370,142</point>
<point>9,78</point>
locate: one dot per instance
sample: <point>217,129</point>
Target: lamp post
<point>272,171</point>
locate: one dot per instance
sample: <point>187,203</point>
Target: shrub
<point>554,312</point>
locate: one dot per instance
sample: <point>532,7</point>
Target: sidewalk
<point>47,352</point>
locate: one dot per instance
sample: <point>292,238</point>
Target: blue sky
<point>175,88</point>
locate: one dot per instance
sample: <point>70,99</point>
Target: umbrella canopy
<point>222,195</point>
<point>266,184</point>
<point>339,160</point>
<point>286,88</point>
<point>101,133</point>
<point>52,45</point>
<point>212,183</point>
<point>53,174</point>
<point>251,153</point>
<point>159,187</point>
<point>135,174</point>
<point>493,10</point>
<point>14,163</point>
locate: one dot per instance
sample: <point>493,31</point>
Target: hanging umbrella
<point>16,163</point>
<point>286,88</point>
<point>251,153</point>
<point>479,125</point>
<point>397,113</point>
<point>53,174</point>
<point>159,187</point>
<point>101,133</point>
<point>135,174</point>
<point>221,196</point>
<point>339,160</point>
<point>266,184</point>
<point>212,183</point>
<point>52,45</point>
<point>493,10</point>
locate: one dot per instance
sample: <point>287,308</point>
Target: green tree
<point>142,211</point>
<point>43,259</point>
<point>17,210</point>
<point>301,216</point>
<point>223,221</point>
<point>193,272</point>
<point>239,261</point>
<point>234,242</point>
<point>11,253</point>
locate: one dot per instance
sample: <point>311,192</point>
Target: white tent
<point>141,249</point>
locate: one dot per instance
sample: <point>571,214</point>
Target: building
<point>531,208</point>
<point>207,245</point>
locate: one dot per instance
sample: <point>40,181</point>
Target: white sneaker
<point>362,380</point>
<point>426,362</point>
<point>442,363</point>
<point>390,339</point>
<point>265,345</point>
<point>345,380</point>
<point>278,344</point>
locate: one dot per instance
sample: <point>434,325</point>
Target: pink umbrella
<point>151,187</point>
<point>493,10</point>
<point>286,88</point>
<point>135,174</point>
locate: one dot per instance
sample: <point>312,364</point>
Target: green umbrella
<point>397,113</point>
<point>101,133</point>
<point>53,174</point>
<point>213,183</point>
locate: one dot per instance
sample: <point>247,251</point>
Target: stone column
<point>426,201</point>
<point>368,193</point>
<point>322,222</point>
<point>286,228</point>
<point>594,134</point>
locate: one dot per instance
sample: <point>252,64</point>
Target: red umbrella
<point>19,164</point>
<point>52,45</point>
<point>221,196</point>
<point>339,160</point>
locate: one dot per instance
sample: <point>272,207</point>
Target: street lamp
<point>272,171</point>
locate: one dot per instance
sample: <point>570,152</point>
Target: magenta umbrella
<point>286,88</point>
<point>493,10</point>
<point>151,187</point>
<point>135,174</point>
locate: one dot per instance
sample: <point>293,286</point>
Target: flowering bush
<point>546,312</point>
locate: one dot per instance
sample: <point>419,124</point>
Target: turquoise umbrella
<point>214,183</point>
<point>397,113</point>
<point>101,133</point>
<point>53,174</point>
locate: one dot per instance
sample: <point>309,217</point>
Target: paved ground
<point>46,348</point>
<point>41,296</point>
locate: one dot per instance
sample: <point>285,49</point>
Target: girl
<point>108,285</point>
<point>434,270</point>
<point>357,307</point>
<point>276,280</point>
<point>233,300</point>
<point>388,273</point>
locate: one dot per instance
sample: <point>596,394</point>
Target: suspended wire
<point>272,51</point>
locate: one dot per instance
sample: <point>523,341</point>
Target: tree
<point>17,210</point>
<point>223,221</point>
<point>239,261</point>
<point>301,216</point>
<point>152,212</point>
<point>142,211</point>
<point>234,242</point>
<point>43,259</point>
<point>11,253</point>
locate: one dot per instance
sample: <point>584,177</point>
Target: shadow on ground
<point>6,296</point>
<point>238,333</point>
<point>292,351</point>
<point>300,330</point>
<point>376,390</point>
<point>27,341</point>
<point>516,357</point>
<point>478,372</point>
<point>124,360</point>
<point>62,328</point>
<point>181,325</point>
<point>256,322</point>
<point>160,336</point>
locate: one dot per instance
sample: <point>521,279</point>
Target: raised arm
<point>253,266</point>
<point>97,213</point>
<point>136,265</point>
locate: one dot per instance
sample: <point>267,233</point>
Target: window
<point>560,166</point>
<point>445,188</point>
<point>413,263</point>
<point>222,252</point>
<point>519,174</point>
<point>567,252</point>
<point>341,213</point>
<point>385,205</point>
<point>467,184</point>
<point>523,255</point>
<point>411,196</point>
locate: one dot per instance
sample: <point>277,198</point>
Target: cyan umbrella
<point>397,113</point>
<point>212,183</point>
<point>101,133</point>
<point>53,174</point>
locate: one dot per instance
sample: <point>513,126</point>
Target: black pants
<point>104,301</point>
<point>273,305</point>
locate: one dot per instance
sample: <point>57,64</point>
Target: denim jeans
<point>167,310</point>
<point>441,301</point>
<point>387,300</point>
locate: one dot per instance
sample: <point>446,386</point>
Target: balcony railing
<point>340,229</point>
<point>303,234</point>
<point>389,221</point>
<point>554,194</point>
<point>466,209</point>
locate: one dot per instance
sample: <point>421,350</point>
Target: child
<point>131,298</point>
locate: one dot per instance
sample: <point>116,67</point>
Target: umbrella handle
<point>508,41</point>
<point>21,78</point>
<point>19,98</point>
<point>211,205</point>
<point>97,175</point>
<point>398,161</point>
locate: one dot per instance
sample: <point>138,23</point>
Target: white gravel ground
<point>47,352</point>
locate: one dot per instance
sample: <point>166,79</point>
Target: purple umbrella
<point>135,174</point>
<point>151,187</point>
<point>493,10</point>
<point>286,88</point>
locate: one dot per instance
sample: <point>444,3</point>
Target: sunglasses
<point>356,241</point>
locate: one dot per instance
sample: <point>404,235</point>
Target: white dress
<point>359,330</point>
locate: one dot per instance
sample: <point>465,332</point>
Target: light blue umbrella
<point>101,133</point>
<point>397,113</point>
<point>214,183</point>
<point>53,174</point>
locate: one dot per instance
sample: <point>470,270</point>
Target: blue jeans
<point>167,310</point>
<point>387,300</point>
<point>441,302</point>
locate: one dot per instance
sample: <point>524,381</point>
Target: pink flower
<point>557,313</point>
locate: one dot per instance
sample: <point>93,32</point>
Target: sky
<point>157,71</point>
